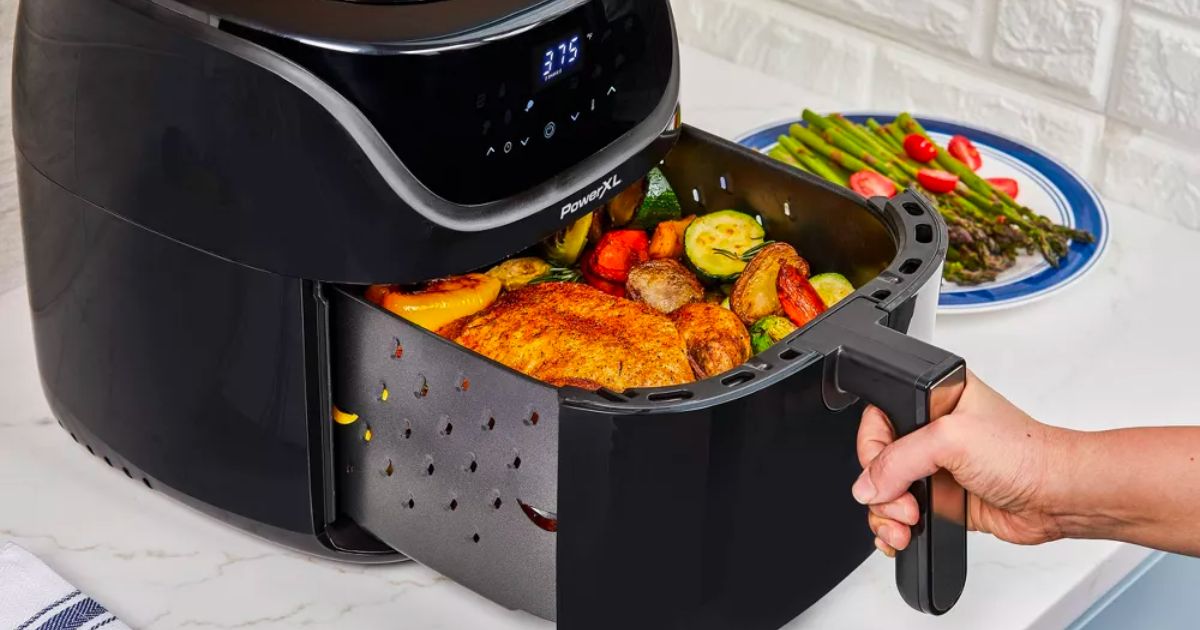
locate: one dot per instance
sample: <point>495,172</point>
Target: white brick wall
<point>1112,87</point>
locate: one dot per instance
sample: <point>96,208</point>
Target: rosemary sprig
<point>559,274</point>
<point>745,256</point>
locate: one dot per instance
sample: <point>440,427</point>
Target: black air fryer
<point>206,186</point>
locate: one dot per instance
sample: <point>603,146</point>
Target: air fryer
<point>208,185</point>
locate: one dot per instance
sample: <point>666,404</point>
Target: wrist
<point>1082,495</point>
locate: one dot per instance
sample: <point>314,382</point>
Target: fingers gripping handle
<point>915,384</point>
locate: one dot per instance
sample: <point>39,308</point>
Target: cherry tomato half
<point>920,148</point>
<point>937,181</point>
<point>964,151</point>
<point>872,184</point>
<point>1006,185</point>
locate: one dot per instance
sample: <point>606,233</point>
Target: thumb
<point>915,456</point>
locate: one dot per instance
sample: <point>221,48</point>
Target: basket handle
<point>914,383</point>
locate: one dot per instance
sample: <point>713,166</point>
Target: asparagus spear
<point>879,162</point>
<point>833,154</point>
<point>811,161</point>
<point>781,154</point>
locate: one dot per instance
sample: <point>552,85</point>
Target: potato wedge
<point>755,295</point>
<point>664,285</point>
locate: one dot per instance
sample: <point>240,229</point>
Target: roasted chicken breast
<point>573,334</point>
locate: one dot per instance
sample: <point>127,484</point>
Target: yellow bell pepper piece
<point>444,301</point>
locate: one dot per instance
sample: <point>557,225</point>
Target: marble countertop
<point>1119,349</point>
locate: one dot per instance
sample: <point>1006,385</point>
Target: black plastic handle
<point>915,384</point>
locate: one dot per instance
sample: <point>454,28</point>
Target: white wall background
<point>1110,86</point>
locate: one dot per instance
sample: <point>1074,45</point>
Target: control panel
<point>485,122</point>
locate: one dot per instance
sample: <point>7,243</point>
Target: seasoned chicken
<point>716,339</point>
<point>573,334</point>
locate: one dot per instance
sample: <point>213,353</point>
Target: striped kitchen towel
<point>33,597</point>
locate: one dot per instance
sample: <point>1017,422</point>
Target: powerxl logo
<point>599,193</point>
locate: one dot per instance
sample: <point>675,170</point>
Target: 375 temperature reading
<point>560,58</point>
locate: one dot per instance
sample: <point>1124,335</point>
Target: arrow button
<point>612,90</point>
<point>574,116</point>
<point>490,151</point>
<point>525,142</point>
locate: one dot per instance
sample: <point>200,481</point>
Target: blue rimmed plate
<point>1047,186</point>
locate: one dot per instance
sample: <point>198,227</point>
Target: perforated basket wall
<point>440,465</point>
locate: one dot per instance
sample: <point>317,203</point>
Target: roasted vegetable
<point>668,239</point>
<point>716,339</point>
<point>564,248</point>
<point>665,285</point>
<point>714,244</point>
<point>519,272</point>
<point>769,331</point>
<point>624,206</point>
<point>659,203</point>
<point>443,301</point>
<point>617,253</point>
<point>832,287</point>
<point>800,300</point>
<point>612,288</point>
<point>755,295</point>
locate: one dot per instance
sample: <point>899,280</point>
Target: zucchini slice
<point>715,243</point>
<point>659,204</point>
<point>832,287</point>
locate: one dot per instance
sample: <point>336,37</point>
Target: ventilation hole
<point>610,395</point>
<point>349,469</point>
<point>429,470</point>
<point>924,233</point>
<point>398,350</point>
<point>497,503</point>
<point>464,385</point>
<point>408,433</point>
<point>696,195</point>
<point>448,429</point>
<point>490,424</point>
<point>411,503</point>
<point>724,183</point>
<point>475,538</point>
<point>89,448</point>
<point>384,394</point>
<point>368,434</point>
<point>789,355</point>
<point>516,462</point>
<point>147,482</point>
<point>787,209</point>
<point>914,209</point>
<point>74,438</point>
<point>737,379</point>
<point>881,295</point>
<point>473,466</point>
<point>126,471</point>
<point>910,266</point>
<point>422,387</point>
<point>390,470</point>
<point>108,461</point>
<point>533,419</point>
<point>670,396</point>
<point>453,504</point>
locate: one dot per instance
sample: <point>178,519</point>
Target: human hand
<point>1005,459</point>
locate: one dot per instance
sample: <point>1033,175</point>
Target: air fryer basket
<point>719,504</point>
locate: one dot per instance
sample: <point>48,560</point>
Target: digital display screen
<point>559,58</point>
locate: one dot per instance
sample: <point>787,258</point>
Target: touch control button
<point>550,129</point>
<point>508,147</point>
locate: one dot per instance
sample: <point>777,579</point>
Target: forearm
<point>1135,485</point>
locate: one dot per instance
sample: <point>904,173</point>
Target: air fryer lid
<point>462,447</point>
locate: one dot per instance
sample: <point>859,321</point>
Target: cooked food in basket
<point>632,295</point>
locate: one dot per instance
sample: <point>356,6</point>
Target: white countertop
<point>1119,349</point>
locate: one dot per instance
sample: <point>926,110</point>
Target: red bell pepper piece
<point>800,300</point>
<point>618,253</point>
